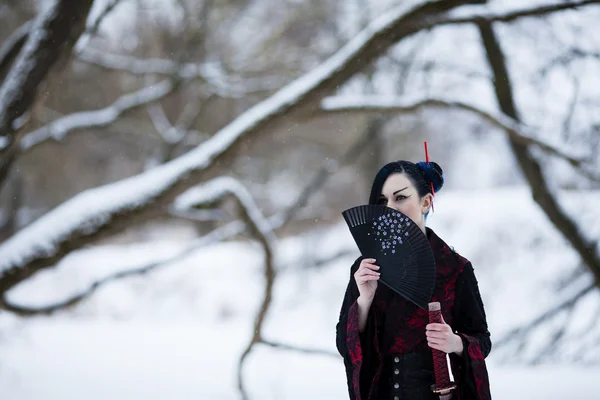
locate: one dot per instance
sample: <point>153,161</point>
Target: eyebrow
<point>397,191</point>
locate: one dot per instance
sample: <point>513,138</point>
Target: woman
<point>385,340</point>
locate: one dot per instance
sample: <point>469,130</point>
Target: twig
<point>566,58</point>
<point>520,332</point>
<point>304,350</point>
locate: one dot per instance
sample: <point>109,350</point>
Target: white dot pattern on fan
<point>389,231</point>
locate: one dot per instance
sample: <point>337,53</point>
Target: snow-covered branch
<point>167,132</point>
<point>93,28</point>
<point>53,32</point>
<point>520,132</point>
<point>106,210</point>
<point>214,191</point>
<point>217,189</point>
<point>13,45</point>
<point>59,128</point>
<point>511,16</point>
<point>219,234</point>
<point>156,66</point>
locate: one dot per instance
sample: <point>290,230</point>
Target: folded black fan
<point>402,251</point>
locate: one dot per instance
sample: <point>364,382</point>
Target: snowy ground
<point>178,332</point>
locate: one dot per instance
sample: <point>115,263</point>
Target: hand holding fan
<point>407,263</point>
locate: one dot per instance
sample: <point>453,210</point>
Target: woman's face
<point>399,193</point>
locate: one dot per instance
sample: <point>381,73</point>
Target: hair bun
<point>433,173</point>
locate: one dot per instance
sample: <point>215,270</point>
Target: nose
<point>391,205</point>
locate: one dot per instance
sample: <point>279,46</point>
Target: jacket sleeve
<point>470,324</point>
<point>358,349</point>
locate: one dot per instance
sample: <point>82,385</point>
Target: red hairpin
<point>432,189</point>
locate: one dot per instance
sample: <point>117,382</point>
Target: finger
<point>370,267</point>
<point>367,277</point>
<point>368,272</point>
<point>438,347</point>
<point>371,278</point>
<point>436,335</point>
<point>436,327</point>
<point>437,341</point>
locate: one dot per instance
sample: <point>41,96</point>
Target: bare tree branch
<point>284,346</point>
<point>568,57</point>
<point>519,333</point>
<point>587,249</point>
<point>537,11</point>
<point>555,337</point>
<point>572,107</point>
<point>518,131</point>
<point>59,128</point>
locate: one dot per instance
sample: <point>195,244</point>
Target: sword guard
<point>444,391</point>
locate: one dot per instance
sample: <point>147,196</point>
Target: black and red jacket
<point>395,325</point>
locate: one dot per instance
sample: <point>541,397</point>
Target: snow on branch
<point>13,44</point>
<point>53,32</point>
<point>217,189</point>
<point>135,65</point>
<point>209,193</point>
<point>59,128</point>
<point>104,211</point>
<point>219,234</point>
<point>511,16</point>
<point>520,132</point>
<point>168,132</point>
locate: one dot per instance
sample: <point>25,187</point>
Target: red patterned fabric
<point>395,325</point>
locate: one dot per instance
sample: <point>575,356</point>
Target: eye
<point>400,197</point>
<point>382,201</point>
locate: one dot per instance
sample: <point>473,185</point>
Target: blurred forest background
<point>172,176</point>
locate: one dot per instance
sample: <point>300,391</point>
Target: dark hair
<point>421,174</point>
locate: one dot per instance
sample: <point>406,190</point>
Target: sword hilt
<point>443,385</point>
